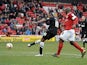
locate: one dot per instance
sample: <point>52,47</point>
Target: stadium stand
<point>16,15</point>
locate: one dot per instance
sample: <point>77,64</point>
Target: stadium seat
<point>85,14</point>
<point>49,4</point>
<point>68,5</point>
<point>80,8</point>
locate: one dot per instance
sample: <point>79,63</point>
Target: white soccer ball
<point>9,45</point>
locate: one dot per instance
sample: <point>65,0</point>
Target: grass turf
<point>20,54</point>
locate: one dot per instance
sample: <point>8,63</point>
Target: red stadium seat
<point>80,8</point>
<point>85,14</point>
<point>68,5</point>
<point>49,4</point>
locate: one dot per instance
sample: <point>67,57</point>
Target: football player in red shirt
<point>68,32</point>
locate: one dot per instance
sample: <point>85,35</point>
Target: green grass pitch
<point>20,54</point>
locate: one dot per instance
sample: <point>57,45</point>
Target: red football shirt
<point>70,20</point>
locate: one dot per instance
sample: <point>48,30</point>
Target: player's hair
<point>67,10</point>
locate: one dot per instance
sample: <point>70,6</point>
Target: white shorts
<point>68,35</point>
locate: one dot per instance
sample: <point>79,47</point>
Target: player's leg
<point>63,36</point>
<point>48,36</point>
<point>36,42</point>
<point>41,47</point>
<point>76,45</point>
<point>45,37</point>
<point>60,46</point>
<point>85,39</point>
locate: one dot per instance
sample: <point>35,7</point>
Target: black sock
<point>32,44</point>
<point>85,41</point>
<point>84,44</point>
<point>40,50</point>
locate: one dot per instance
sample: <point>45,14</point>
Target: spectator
<point>28,32</point>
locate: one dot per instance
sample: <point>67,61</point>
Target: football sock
<point>32,44</point>
<point>84,43</point>
<point>60,48</point>
<point>36,42</point>
<point>40,50</point>
<point>76,45</point>
<point>41,44</point>
<point>41,47</point>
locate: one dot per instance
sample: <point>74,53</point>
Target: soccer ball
<point>9,45</point>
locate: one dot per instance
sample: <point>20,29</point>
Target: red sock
<point>76,45</point>
<point>60,47</point>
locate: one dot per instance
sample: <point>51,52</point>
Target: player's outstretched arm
<point>40,21</point>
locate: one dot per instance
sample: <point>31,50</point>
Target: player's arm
<point>40,21</point>
<point>75,20</point>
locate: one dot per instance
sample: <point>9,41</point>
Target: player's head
<point>67,10</point>
<point>8,34</point>
<point>50,15</point>
<point>83,18</point>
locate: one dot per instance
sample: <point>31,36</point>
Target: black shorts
<point>50,33</point>
<point>84,34</point>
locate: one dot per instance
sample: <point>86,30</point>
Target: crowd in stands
<point>16,16</point>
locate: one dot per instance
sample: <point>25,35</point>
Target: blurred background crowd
<point>16,16</point>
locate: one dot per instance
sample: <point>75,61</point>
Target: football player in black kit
<point>51,32</point>
<point>83,25</point>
